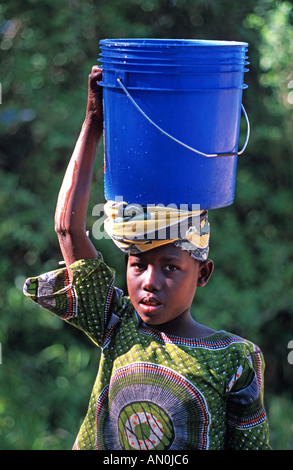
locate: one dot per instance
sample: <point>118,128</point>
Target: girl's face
<point>162,283</point>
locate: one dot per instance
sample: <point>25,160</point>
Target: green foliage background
<point>47,49</point>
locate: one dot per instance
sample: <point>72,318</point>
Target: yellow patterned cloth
<point>135,229</point>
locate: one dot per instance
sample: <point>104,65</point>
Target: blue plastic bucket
<point>172,113</point>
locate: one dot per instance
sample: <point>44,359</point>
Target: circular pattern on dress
<point>148,406</point>
<point>145,429</point>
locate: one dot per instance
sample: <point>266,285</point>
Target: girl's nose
<point>151,280</point>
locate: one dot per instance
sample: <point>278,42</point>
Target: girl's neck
<point>184,326</point>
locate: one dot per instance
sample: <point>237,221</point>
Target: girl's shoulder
<point>233,342</point>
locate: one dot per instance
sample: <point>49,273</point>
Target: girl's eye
<point>171,267</point>
<point>138,266</point>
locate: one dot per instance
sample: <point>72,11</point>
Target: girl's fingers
<point>96,68</point>
<point>95,76</point>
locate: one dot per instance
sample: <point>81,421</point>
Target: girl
<point>164,380</point>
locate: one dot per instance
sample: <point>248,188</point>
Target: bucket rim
<point>201,90</point>
<point>174,70</point>
<point>207,58</point>
<point>173,63</point>
<point>150,42</point>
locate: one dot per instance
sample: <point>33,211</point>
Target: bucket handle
<point>119,80</point>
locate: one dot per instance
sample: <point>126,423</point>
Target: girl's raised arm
<point>72,204</point>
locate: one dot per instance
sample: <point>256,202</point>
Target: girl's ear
<point>205,271</point>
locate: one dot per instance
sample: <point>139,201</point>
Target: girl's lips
<point>149,304</point>
<point>152,301</point>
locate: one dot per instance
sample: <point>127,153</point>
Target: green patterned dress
<point>155,391</point>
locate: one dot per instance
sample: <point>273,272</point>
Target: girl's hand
<point>94,103</point>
